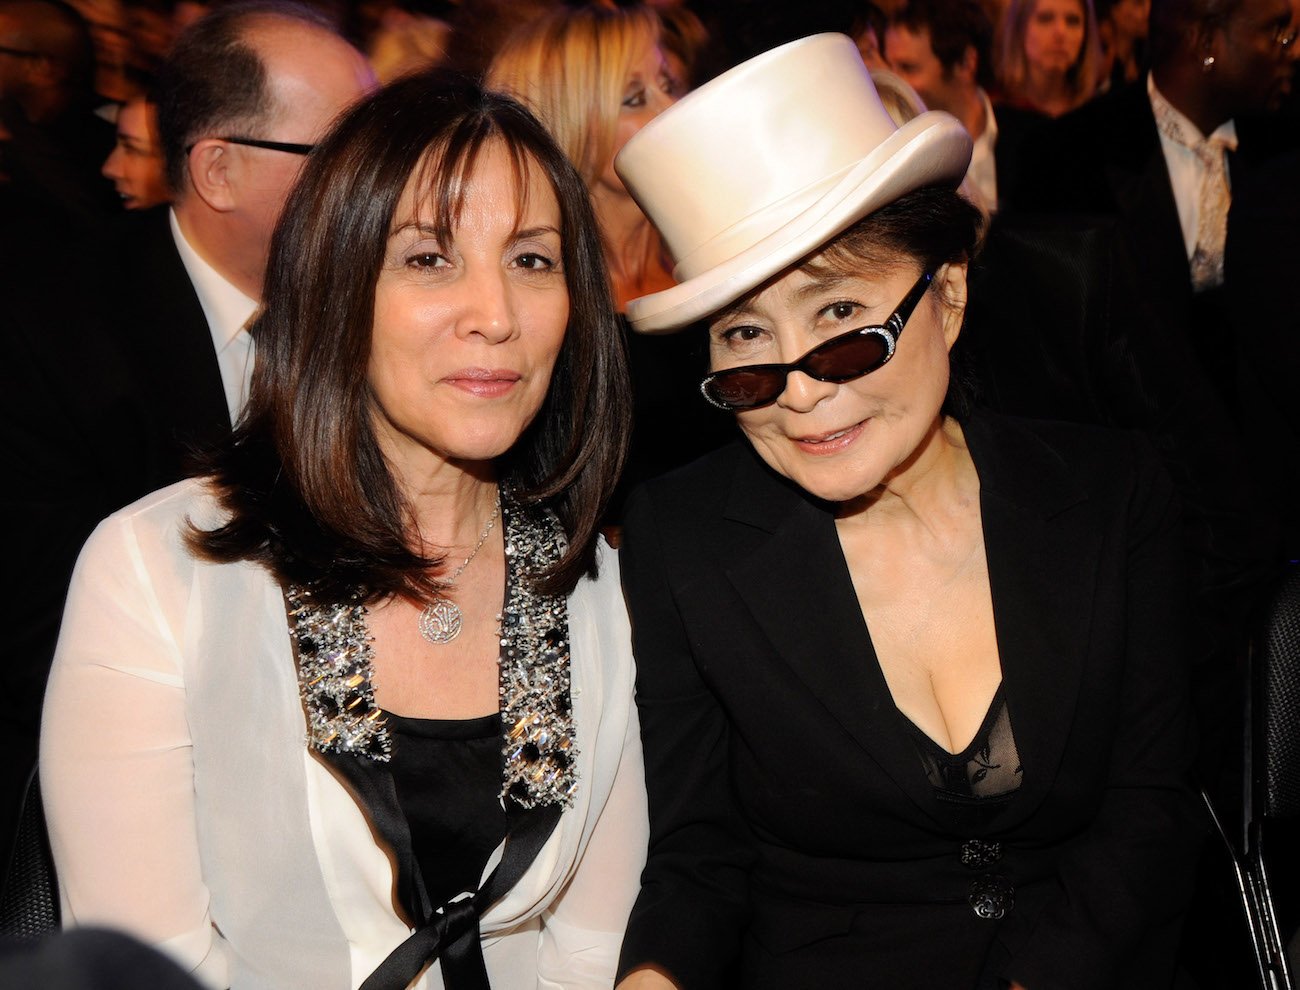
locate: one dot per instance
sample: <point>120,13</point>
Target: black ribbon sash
<point>451,935</point>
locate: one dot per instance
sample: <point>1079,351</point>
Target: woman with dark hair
<point>371,673</point>
<point>910,674</point>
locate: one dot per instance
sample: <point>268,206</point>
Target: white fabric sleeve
<point>583,930</point>
<point>116,758</point>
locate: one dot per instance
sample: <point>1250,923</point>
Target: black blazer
<point>111,377</point>
<point>791,820</point>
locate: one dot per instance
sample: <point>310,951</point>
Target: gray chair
<point>1268,848</point>
<point>29,897</point>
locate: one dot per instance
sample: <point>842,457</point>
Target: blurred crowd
<point>73,73</point>
<point>1138,160</point>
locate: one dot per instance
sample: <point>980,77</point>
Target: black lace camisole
<point>987,769</point>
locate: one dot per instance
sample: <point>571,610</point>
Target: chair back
<point>29,899</point>
<point>1276,699</point>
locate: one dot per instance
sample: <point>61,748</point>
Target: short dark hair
<point>308,489</point>
<point>1172,21</point>
<point>931,226</point>
<point>953,26</point>
<point>214,79</point>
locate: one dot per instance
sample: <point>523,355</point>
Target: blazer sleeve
<point>582,930</point>
<point>693,903</point>
<point>1126,881</point>
<point>116,770</point>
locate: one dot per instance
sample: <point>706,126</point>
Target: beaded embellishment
<point>536,706</point>
<point>335,671</point>
<point>335,664</point>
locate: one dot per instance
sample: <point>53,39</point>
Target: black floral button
<point>991,896</point>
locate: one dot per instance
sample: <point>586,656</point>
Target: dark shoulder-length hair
<point>307,488</point>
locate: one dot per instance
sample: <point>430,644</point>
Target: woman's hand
<point>646,978</point>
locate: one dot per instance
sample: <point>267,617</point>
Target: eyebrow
<point>820,284</point>
<point>828,282</point>
<point>429,230</point>
<point>537,231</point>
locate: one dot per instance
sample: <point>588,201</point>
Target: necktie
<point>1215,193</point>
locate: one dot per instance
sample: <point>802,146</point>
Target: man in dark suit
<point>1166,161</point>
<point>943,50</point>
<point>125,364</point>
<point>1162,159</point>
<point>1154,154</point>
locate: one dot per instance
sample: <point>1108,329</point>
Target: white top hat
<point>764,164</point>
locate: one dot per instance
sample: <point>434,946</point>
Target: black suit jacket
<point>111,378</point>
<point>1061,324</point>
<point>791,820</point>
<point>1104,159</point>
<point>165,338</point>
<point>1263,254</point>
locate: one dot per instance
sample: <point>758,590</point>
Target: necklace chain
<point>441,618</point>
<point>487,529</point>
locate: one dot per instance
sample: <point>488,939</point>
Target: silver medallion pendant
<point>440,621</point>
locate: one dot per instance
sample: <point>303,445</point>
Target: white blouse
<point>185,807</point>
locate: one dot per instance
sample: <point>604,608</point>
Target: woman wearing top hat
<point>909,674</point>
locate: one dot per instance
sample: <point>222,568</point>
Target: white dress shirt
<point>228,312</point>
<point>185,806</point>
<point>983,171</point>
<point>1186,171</point>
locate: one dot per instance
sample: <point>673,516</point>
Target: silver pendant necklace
<point>441,619</point>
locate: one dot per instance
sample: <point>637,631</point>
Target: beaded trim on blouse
<point>336,667</point>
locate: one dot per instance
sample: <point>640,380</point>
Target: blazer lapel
<point>1042,561</point>
<point>1144,194</point>
<point>797,587</point>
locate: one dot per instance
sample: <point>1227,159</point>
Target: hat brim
<point>931,149</point>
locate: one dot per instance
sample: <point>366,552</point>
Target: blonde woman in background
<point>1048,57</point>
<point>595,76</point>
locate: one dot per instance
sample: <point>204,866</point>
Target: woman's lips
<point>488,383</point>
<point>824,444</point>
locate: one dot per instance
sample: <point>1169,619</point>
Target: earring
<point>1207,64</point>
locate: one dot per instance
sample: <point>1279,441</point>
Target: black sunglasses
<point>840,359</point>
<point>286,146</point>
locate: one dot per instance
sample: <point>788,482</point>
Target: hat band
<point>752,229</point>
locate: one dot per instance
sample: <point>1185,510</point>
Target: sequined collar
<point>336,662</point>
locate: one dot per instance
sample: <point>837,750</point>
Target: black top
<point>986,770</point>
<point>448,778</point>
